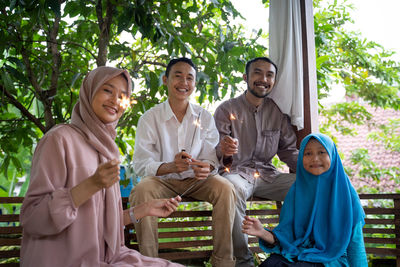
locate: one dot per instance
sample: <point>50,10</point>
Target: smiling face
<point>106,101</point>
<point>180,81</point>
<point>316,159</point>
<point>261,78</point>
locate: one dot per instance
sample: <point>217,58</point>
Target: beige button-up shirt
<point>262,131</point>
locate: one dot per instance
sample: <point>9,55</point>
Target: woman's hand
<point>155,207</point>
<point>106,174</point>
<point>162,207</point>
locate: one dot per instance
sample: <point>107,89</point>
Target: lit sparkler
<point>255,175</point>
<point>126,102</point>
<point>227,169</point>
<point>232,117</point>
<point>197,124</point>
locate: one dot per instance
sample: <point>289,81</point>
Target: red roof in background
<point>376,150</point>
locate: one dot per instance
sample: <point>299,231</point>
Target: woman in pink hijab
<point>72,213</point>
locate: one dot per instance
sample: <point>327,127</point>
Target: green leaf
<point>55,7</point>
<point>8,84</point>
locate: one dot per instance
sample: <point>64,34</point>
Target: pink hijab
<point>102,137</point>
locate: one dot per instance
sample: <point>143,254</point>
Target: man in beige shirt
<point>252,131</point>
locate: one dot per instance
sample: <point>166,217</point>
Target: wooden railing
<point>186,234</point>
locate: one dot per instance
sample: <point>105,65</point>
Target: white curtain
<point>286,51</point>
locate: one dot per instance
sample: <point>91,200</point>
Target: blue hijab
<point>319,212</point>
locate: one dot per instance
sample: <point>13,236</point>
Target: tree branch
<point>104,26</point>
<point>23,110</point>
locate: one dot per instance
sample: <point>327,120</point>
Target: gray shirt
<point>262,131</point>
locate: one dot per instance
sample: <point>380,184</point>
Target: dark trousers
<point>277,260</point>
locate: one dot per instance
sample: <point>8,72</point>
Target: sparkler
<point>255,175</point>
<point>197,124</point>
<point>126,102</point>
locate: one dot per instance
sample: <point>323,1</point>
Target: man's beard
<point>254,93</point>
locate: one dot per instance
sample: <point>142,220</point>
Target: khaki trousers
<point>215,189</point>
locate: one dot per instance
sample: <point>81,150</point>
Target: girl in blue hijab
<point>321,219</point>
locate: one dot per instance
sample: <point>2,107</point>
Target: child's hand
<point>252,226</point>
<point>106,174</point>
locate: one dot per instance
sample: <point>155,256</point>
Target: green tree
<point>47,46</point>
<point>366,71</point>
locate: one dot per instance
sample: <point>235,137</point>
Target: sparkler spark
<point>227,169</point>
<point>232,117</point>
<point>197,123</point>
<point>126,102</point>
<point>255,175</point>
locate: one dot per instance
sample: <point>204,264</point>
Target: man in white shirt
<point>175,153</point>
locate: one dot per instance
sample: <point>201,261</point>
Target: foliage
<point>48,46</point>
<point>344,57</point>
<point>388,135</point>
<point>370,169</point>
<point>366,71</point>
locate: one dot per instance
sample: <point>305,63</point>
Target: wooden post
<point>309,71</point>
<point>397,227</point>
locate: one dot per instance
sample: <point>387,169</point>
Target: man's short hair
<point>257,59</point>
<point>176,60</point>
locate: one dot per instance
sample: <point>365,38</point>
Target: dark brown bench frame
<point>191,229</point>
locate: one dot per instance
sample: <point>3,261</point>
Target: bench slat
<point>10,230</point>
<point>9,253</point>
<point>382,240</point>
<point>380,231</point>
<point>380,211</point>
<point>9,218</point>
<point>185,244</point>
<point>185,234</point>
<point>186,255</point>
<point>383,251</point>
<point>381,221</point>
<point>10,241</point>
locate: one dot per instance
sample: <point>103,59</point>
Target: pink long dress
<point>55,232</point>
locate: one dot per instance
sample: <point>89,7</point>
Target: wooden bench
<point>187,235</point>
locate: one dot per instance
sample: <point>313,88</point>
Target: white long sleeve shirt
<point>160,136</point>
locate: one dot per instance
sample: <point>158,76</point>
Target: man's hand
<point>182,161</point>
<point>229,146</point>
<point>201,169</point>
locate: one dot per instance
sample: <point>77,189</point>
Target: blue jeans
<point>244,189</point>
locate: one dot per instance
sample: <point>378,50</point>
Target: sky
<point>377,21</point>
